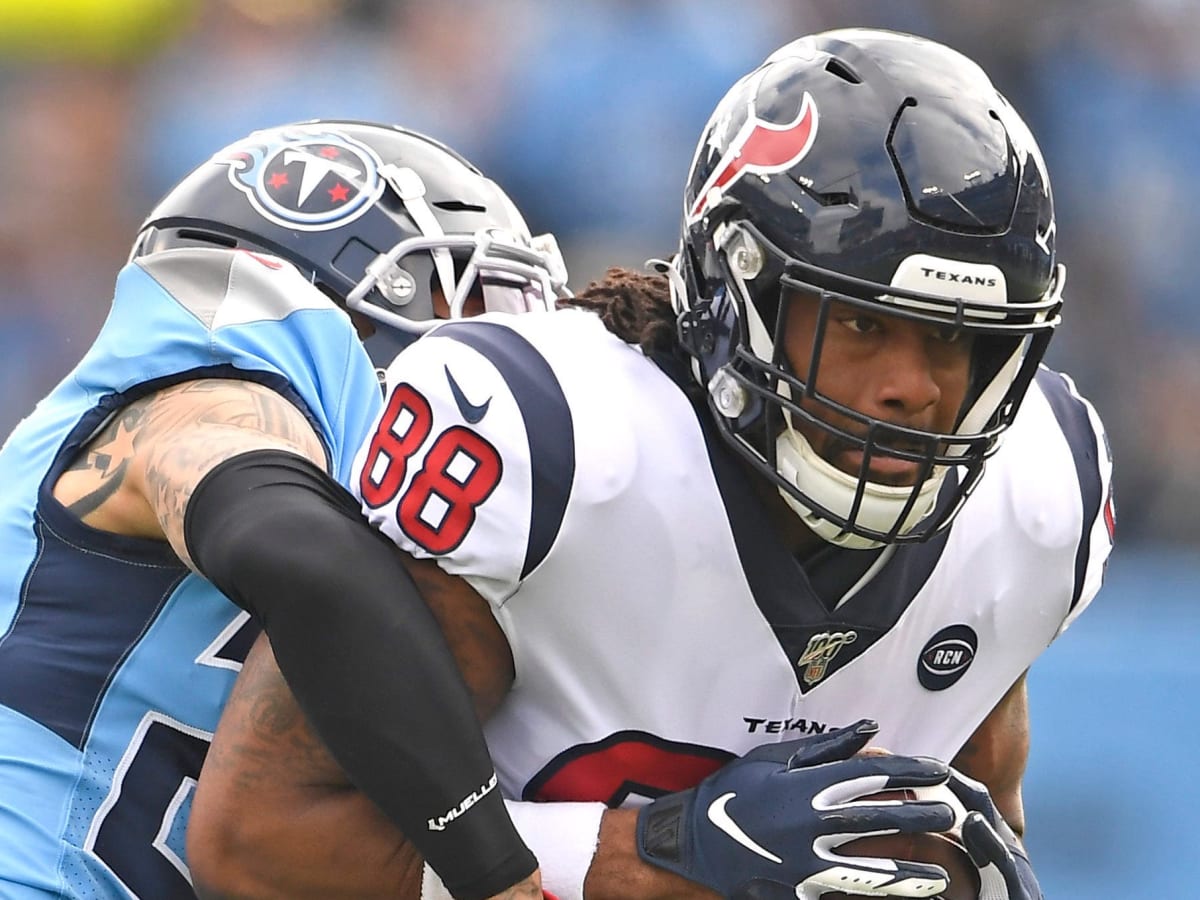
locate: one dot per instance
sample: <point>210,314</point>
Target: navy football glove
<point>1004,869</point>
<point>766,826</point>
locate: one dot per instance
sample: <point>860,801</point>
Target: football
<point>945,850</point>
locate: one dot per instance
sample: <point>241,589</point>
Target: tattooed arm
<point>136,476</point>
<point>240,470</point>
<point>275,816</point>
<point>235,844</point>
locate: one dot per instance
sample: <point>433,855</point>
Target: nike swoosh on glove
<point>766,826</point>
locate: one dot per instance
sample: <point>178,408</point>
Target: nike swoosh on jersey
<point>719,817</point>
<point>471,412</point>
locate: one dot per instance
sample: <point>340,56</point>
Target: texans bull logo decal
<point>309,180</point>
<point>761,147</point>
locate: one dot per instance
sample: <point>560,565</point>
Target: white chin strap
<point>833,489</point>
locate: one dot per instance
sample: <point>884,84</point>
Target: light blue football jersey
<point>115,660</point>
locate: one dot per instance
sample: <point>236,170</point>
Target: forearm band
<point>364,656</point>
<point>563,836</point>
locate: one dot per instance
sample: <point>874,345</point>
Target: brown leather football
<point>945,850</point>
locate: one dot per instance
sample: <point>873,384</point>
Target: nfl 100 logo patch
<point>821,650</point>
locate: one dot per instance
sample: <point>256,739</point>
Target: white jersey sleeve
<point>1092,455</point>
<point>471,461</point>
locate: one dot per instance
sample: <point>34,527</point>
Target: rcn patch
<point>946,657</point>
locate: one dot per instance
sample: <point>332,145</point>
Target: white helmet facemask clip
<point>514,272</point>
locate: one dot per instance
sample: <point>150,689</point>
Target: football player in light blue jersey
<point>177,492</point>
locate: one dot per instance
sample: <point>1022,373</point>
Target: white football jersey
<point>658,623</point>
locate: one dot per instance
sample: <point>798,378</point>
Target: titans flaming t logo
<point>309,180</point>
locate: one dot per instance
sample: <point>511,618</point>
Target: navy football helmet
<point>387,222</point>
<point>884,171</point>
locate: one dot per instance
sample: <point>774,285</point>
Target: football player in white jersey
<point>700,540</point>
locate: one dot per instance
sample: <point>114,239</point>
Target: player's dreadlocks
<point>635,306</point>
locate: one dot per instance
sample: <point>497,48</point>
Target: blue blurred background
<point>587,112</point>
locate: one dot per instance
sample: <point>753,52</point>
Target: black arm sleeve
<point>364,656</point>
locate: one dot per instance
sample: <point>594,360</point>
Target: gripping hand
<point>767,826</point>
<point>1004,869</point>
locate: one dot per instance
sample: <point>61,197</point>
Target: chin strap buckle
<point>698,330</point>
